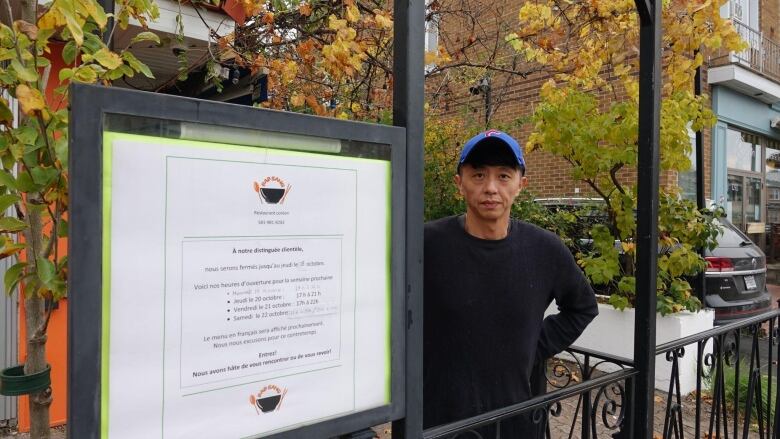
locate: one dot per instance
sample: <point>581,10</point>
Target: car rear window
<point>730,236</point>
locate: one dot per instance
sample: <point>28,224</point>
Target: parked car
<point>736,269</point>
<point>736,276</point>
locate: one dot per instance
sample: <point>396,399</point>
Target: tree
<point>335,58</point>
<point>588,115</point>
<point>34,153</point>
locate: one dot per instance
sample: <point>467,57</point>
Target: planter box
<point>612,332</point>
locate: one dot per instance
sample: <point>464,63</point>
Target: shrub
<point>732,383</point>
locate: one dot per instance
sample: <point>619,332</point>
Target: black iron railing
<point>588,393</point>
<point>602,400</point>
<point>736,391</point>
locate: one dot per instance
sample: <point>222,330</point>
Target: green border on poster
<point>108,138</point>
<point>106,286</point>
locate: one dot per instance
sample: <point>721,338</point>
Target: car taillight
<point>719,264</point>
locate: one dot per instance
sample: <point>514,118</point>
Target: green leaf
<point>11,248</point>
<point>8,164</point>
<point>26,134</point>
<point>61,150</point>
<point>9,224</point>
<point>108,59</point>
<point>6,115</point>
<point>69,52</point>
<point>7,201</point>
<point>44,176</point>
<point>137,65</point>
<point>17,150</point>
<point>26,74</point>
<point>115,74</point>
<point>618,301</point>
<point>65,74</point>
<point>97,13</point>
<point>25,183</point>
<point>7,53</point>
<point>12,276</point>
<point>73,26</point>
<point>46,272</point>
<point>7,180</point>
<point>62,228</point>
<point>627,285</point>
<point>145,36</point>
<point>92,43</point>
<point>85,74</point>
<point>6,78</point>
<point>42,62</point>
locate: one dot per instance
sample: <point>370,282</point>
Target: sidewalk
<point>56,433</point>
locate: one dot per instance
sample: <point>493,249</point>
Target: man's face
<point>489,191</point>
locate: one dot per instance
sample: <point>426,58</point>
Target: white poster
<point>248,288</point>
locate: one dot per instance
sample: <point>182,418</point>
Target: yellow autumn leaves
<point>577,40</point>
<point>72,14</point>
<point>30,99</point>
<point>318,55</point>
<point>346,54</point>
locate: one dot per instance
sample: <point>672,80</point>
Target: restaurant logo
<point>268,399</point>
<point>272,190</point>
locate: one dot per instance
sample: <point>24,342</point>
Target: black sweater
<point>484,315</point>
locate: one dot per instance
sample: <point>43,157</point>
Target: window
<point>431,34</point>
<point>687,179</point>
<point>743,11</point>
<point>743,151</point>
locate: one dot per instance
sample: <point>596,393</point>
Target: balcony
<point>754,71</point>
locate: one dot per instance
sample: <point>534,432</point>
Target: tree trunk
<point>35,306</point>
<point>35,315</point>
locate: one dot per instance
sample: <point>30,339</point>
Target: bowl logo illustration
<point>272,190</point>
<point>269,399</point>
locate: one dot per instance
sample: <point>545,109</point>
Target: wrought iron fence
<point>736,391</point>
<point>600,401</point>
<point>588,393</point>
<point>762,54</point>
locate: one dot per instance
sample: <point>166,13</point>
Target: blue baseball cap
<point>492,136</point>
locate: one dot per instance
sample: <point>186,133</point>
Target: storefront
<point>746,163</point>
<point>753,179</point>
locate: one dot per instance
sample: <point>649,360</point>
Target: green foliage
<point>443,140</point>
<point>566,223</point>
<point>588,115</point>
<point>34,148</point>
<point>610,263</point>
<point>734,385</point>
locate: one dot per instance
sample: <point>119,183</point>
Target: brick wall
<point>770,19</point>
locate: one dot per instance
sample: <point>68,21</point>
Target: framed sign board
<point>233,271</point>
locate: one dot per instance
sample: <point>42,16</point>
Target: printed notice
<point>251,296</point>
<point>257,306</point>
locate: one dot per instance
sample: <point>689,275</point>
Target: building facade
<point>745,91</point>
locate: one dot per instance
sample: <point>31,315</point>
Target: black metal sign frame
<point>89,107</point>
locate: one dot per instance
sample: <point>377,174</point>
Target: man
<point>488,281</point>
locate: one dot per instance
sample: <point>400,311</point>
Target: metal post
<point>700,201</point>
<point>647,213</point>
<point>108,7</point>
<point>408,99</point>
<point>776,426</point>
<point>587,403</point>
